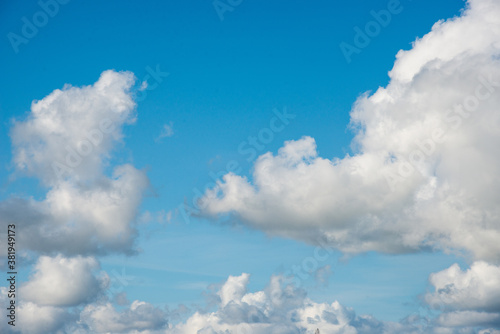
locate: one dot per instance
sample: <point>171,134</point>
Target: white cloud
<point>489,331</point>
<point>468,319</point>
<point>447,199</point>
<point>61,281</point>
<point>140,317</point>
<point>35,319</point>
<point>166,131</point>
<point>67,295</point>
<point>473,33</point>
<point>234,289</point>
<point>469,298</point>
<point>66,141</point>
<point>279,308</point>
<point>70,132</point>
<point>79,219</point>
<point>477,288</point>
<point>425,172</point>
<point>282,308</point>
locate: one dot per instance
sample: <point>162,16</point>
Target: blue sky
<point>221,79</point>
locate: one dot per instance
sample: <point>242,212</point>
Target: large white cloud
<point>66,141</point>
<point>61,281</point>
<point>425,170</point>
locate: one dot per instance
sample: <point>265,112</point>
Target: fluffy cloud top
<point>279,308</point>
<point>63,281</point>
<point>425,170</point>
<point>282,308</point>
<point>69,132</point>
<point>477,288</point>
<point>234,289</point>
<point>469,297</point>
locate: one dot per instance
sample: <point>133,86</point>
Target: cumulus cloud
<point>424,174</point>
<point>53,297</point>
<point>140,317</point>
<point>279,308</point>
<point>283,308</point>
<point>477,288</point>
<point>43,319</point>
<point>35,319</point>
<point>489,331</point>
<point>166,131</point>
<point>468,298</point>
<point>65,141</point>
<point>80,219</point>
<point>61,281</point>
<point>234,289</point>
<point>468,319</point>
<point>70,132</point>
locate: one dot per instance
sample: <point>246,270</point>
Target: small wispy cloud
<point>166,131</point>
